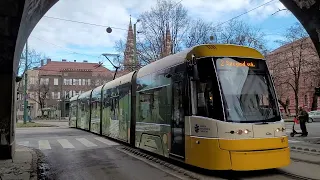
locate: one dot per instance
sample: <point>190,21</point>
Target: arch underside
<point>308,13</point>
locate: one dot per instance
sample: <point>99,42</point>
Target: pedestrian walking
<point>303,118</point>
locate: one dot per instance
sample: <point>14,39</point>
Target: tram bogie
<point>210,106</point>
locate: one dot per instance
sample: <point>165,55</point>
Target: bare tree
<point>34,60</point>
<point>240,33</point>
<point>154,24</point>
<point>41,93</point>
<point>120,47</point>
<point>295,59</point>
<point>200,32</point>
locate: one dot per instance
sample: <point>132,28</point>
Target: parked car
<point>314,116</point>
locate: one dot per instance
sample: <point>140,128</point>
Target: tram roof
<point>98,89</point>
<point>118,81</point>
<point>74,98</point>
<point>205,50</point>
<point>85,94</point>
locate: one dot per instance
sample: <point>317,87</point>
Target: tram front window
<point>248,95</point>
<point>208,100</point>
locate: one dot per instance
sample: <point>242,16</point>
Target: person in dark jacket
<point>303,118</point>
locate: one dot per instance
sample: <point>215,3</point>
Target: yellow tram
<point>210,106</point>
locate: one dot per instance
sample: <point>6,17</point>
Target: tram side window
<point>114,107</point>
<point>177,106</point>
<point>106,101</point>
<point>153,106</point>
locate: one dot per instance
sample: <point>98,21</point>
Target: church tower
<point>129,51</point>
<point>167,43</point>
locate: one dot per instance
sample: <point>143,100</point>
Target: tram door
<point>177,123</point>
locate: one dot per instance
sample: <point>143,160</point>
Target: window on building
<point>55,81</point>
<point>97,82</point>
<point>44,81</point>
<point>67,94</point>
<point>67,81</point>
<point>55,95</point>
<point>89,82</point>
<point>83,82</point>
<point>79,82</point>
<point>32,80</point>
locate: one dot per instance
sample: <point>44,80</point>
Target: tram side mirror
<point>193,69</point>
<point>195,73</point>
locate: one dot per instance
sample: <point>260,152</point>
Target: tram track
<point>175,169</point>
<point>294,176</point>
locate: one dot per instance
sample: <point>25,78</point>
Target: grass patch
<point>33,124</point>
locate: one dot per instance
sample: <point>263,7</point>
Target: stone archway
<point>17,20</point>
<point>308,13</point>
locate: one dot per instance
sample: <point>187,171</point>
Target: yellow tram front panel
<point>214,148</point>
<point>205,153</point>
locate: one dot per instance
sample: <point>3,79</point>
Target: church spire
<point>167,44</point>
<point>129,51</point>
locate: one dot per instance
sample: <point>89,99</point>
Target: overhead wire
<point>99,25</point>
<point>264,4</point>
<point>63,47</point>
<point>124,29</point>
<point>81,22</point>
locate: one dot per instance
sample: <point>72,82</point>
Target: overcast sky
<point>60,39</point>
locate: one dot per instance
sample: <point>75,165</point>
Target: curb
<point>34,166</point>
<point>305,149</point>
<point>34,163</point>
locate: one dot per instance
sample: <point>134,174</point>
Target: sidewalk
<point>23,166</point>
<point>303,164</point>
<point>55,123</point>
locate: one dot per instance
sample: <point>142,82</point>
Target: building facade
<point>295,67</point>
<point>52,85</point>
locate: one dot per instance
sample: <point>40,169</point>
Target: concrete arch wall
<point>308,13</point>
<point>17,20</point>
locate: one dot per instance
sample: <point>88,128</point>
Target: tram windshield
<point>247,92</point>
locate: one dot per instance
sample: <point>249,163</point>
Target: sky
<point>59,39</point>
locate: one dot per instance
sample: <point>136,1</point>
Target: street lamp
<point>135,42</point>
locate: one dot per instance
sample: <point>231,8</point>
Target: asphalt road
<point>313,136</point>
<point>75,154</point>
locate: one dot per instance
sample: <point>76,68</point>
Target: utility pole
<point>62,103</point>
<point>25,109</point>
<point>135,60</point>
<point>135,45</point>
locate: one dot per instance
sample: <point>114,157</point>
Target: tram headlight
<point>246,131</point>
<point>280,129</point>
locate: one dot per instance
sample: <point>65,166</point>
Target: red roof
<point>56,67</point>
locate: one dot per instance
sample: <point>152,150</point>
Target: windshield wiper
<point>261,123</point>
